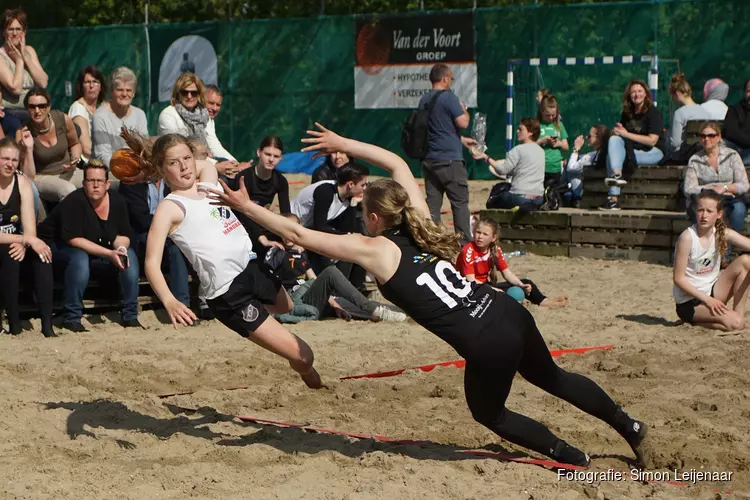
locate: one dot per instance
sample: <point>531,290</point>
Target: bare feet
<point>555,302</point>
<point>312,379</point>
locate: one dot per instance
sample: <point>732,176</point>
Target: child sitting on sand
<point>701,289</point>
<point>480,260</point>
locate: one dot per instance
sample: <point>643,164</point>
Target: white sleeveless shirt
<point>213,241</point>
<point>703,267</point>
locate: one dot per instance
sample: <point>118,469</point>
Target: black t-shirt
<point>10,212</point>
<point>74,217</point>
<point>432,292</point>
<point>650,122</point>
<point>289,266</point>
<point>331,214</point>
<point>262,193</point>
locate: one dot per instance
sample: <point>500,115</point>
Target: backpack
<point>416,128</point>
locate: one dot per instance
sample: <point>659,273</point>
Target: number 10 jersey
<point>435,295</point>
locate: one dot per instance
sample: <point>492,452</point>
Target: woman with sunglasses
<point>720,169</point>
<point>188,116</point>
<point>52,148</point>
<point>20,69</point>
<point>90,92</point>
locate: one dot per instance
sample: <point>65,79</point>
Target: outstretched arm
<point>326,142</point>
<point>371,253</point>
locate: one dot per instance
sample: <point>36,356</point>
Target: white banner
<point>402,86</point>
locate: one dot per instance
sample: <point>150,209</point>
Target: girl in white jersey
<point>219,249</point>
<point>701,289</point>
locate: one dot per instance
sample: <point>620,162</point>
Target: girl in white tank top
<point>218,247</point>
<point>702,291</point>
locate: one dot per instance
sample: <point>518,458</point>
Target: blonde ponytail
<point>390,201</point>
<point>432,238</point>
<point>721,236</point>
<point>150,152</point>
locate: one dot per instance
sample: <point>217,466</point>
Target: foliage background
<point>282,65</point>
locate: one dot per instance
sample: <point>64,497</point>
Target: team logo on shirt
<point>423,257</point>
<point>9,228</point>
<point>223,214</point>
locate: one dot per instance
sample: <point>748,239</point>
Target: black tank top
<point>436,296</point>
<point>10,213</point>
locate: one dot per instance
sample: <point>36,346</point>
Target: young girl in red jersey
<point>481,259</point>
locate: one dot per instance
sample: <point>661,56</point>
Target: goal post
<point>652,76</point>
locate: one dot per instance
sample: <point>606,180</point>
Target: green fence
<point>279,76</point>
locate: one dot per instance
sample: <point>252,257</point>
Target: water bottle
<point>515,253</point>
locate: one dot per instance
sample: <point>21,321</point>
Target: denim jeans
<point>616,159</point>
<point>512,200</point>
<point>575,179</point>
<point>177,269</point>
<point>744,153</point>
<point>79,266</point>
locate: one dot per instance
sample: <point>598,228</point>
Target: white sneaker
<point>382,313</point>
<point>615,181</point>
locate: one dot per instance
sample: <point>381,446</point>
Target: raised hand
<point>324,142</point>
<point>236,200</point>
<point>578,143</point>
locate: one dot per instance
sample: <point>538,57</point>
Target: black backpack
<point>416,128</point>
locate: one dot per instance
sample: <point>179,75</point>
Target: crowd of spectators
<point>63,217</point>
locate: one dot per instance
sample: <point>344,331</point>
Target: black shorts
<point>686,310</point>
<point>240,308</point>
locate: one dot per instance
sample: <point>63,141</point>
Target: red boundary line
<point>552,464</point>
<point>384,439</point>
<point>460,363</point>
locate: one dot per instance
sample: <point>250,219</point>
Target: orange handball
<point>125,164</point>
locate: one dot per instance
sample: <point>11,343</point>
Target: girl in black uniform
<point>17,234</point>
<point>411,259</point>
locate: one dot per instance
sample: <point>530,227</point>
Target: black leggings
<point>517,346</point>
<point>535,297</point>
<point>10,270</point>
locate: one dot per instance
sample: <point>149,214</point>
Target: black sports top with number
<point>436,296</point>
<point>10,212</point>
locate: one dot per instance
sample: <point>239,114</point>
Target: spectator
<point>8,123</point>
<point>116,113</point>
<point>701,289</point>
<point>481,259</point>
<point>682,94</point>
<point>720,169</point>
<point>327,206</point>
<point>17,232</point>
<point>597,141</point>
<point>525,164</point>
<point>214,100</point>
<point>443,168</point>
<point>737,126</point>
<point>316,297</point>
<point>90,234</point>
<point>188,116</point>
<point>715,92</point>
<point>20,69</point>
<point>637,138</point>
<point>142,199</point>
<point>263,182</point>
<point>52,151</point>
<point>327,171</point>
<point>553,138</point>
<point>90,92</point>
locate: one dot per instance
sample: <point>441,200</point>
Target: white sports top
<point>303,204</point>
<point>703,267</point>
<point>213,241</point>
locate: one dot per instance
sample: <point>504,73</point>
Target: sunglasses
<point>707,136</point>
<point>191,93</point>
<point>38,106</point>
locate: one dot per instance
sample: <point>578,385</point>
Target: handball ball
<point>125,163</point>
<point>516,292</point>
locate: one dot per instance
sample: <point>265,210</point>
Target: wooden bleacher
<point>646,229</point>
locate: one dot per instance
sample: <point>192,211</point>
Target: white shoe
<point>615,181</point>
<point>382,313</point>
